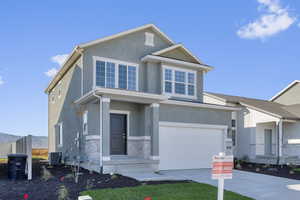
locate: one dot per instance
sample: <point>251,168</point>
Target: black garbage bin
<point>16,166</point>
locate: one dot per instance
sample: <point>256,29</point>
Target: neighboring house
<point>134,101</point>
<point>265,131</point>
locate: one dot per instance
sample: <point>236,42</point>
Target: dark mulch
<point>41,189</point>
<point>273,170</point>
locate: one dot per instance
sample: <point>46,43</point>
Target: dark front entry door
<point>118,134</point>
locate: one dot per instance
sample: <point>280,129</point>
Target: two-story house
<point>134,101</point>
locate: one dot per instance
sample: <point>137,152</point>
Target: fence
<point>22,145</point>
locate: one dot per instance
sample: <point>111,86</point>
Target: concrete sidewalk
<point>257,186</point>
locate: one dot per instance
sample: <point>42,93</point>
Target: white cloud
<point>59,59</point>
<point>51,72</point>
<point>274,20</point>
<point>1,80</point>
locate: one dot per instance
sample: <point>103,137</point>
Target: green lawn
<point>178,191</point>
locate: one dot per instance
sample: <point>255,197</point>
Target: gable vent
<point>149,39</point>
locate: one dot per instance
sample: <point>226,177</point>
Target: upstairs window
<point>179,82</point>
<point>116,74</point>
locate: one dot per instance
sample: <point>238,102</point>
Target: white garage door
<point>188,146</point>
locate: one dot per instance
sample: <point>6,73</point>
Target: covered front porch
<point>122,131</point>
<point>273,142</point>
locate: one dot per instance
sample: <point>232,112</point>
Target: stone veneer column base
<point>139,146</point>
<point>92,152</point>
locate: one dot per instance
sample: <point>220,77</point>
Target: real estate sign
<point>222,166</point>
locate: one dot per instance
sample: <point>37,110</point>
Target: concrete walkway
<point>257,186</point>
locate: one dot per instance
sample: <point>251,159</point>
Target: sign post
<point>222,169</point>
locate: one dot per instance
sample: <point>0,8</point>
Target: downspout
<point>279,145</point>
<point>101,131</point>
<point>278,156</point>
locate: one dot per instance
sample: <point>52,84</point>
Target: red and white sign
<point>222,167</point>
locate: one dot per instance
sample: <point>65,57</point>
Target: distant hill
<point>37,141</point>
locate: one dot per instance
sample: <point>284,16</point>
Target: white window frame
<point>117,63</point>
<point>60,144</point>
<point>149,39</point>
<point>173,94</point>
<point>85,121</point>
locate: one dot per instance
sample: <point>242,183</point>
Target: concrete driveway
<point>257,186</point>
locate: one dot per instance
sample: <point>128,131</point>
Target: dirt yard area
<point>51,183</point>
<point>291,171</point>
<point>57,183</point>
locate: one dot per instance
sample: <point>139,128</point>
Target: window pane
<point>179,88</point>
<point>191,78</point>
<point>110,75</point>
<point>131,78</point>
<point>168,74</point>
<point>233,137</point>
<point>179,76</point>
<point>100,73</point>
<point>191,90</point>
<point>233,123</point>
<point>123,76</point>
<point>168,87</point>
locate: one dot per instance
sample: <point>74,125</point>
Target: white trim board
<point>92,137</point>
<point>139,138</point>
<point>199,105</point>
<point>192,125</point>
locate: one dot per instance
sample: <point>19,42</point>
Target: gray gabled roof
<point>276,109</point>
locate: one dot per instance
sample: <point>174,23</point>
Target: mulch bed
<point>273,170</point>
<point>49,186</point>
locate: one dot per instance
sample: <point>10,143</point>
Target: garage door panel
<point>188,148</point>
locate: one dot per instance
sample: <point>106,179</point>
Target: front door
<point>118,134</point>
<point>268,141</point>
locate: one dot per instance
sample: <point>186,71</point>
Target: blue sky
<point>253,45</point>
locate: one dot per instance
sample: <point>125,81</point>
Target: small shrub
<point>245,158</point>
<point>115,176</point>
<point>238,166</point>
<point>250,165</point>
<point>296,170</point>
<point>69,176</point>
<point>46,175</point>
<point>89,184</point>
<point>63,193</point>
<point>266,166</point>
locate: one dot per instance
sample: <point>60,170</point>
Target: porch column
<point>154,131</point>
<point>280,133</point>
<point>106,128</point>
